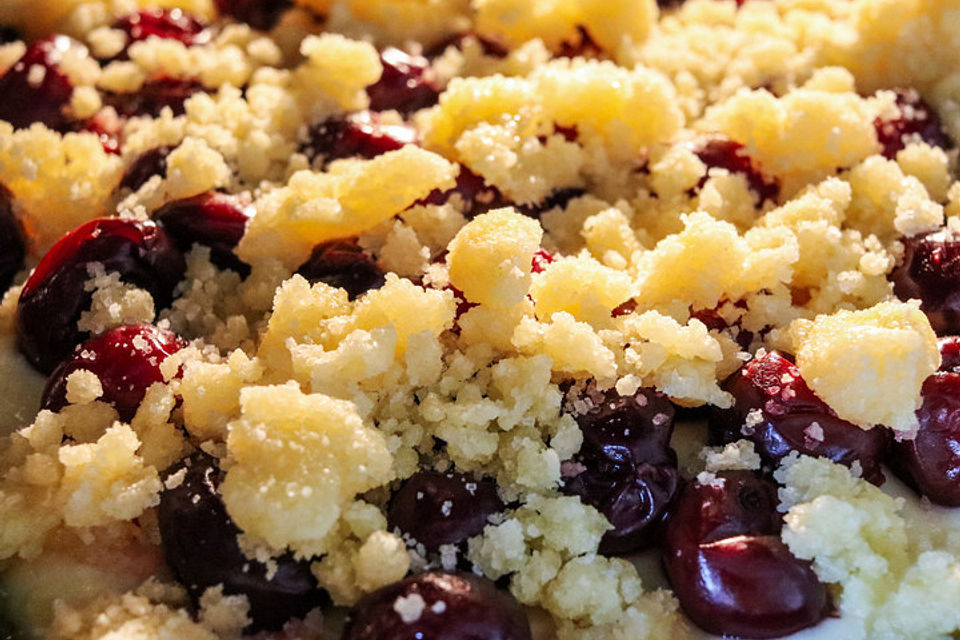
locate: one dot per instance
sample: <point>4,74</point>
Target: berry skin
<point>34,89</point>
<point>127,361</point>
<point>405,84</point>
<point>443,508</point>
<point>930,272</point>
<point>153,97</point>
<point>456,606</point>
<point>148,164</point>
<point>259,14</point>
<point>344,265</point>
<point>720,153</point>
<point>777,411</point>
<point>917,120</point>
<point>212,219</point>
<point>625,467</point>
<point>729,569</point>
<point>53,297</point>
<point>359,135</point>
<point>200,544</point>
<point>168,24</point>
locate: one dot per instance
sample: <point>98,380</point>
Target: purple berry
<point>127,360</point>
<point>213,219</point>
<point>148,164</point>
<point>438,606</point>
<point>729,569</point>
<point>53,297</point>
<point>437,508</point>
<point>930,272</point>
<point>343,264</point>
<point>917,121</point>
<point>200,544</point>
<point>720,153</point>
<point>34,89</point>
<point>776,410</point>
<point>405,85</point>
<point>359,135</point>
<point>625,467</point>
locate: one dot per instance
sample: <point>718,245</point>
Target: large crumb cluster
<point>606,249</point>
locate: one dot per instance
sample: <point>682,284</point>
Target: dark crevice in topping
<point>153,97</point>
<point>583,46</point>
<point>13,248</point>
<point>776,410</point>
<point>200,544</point>
<point>259,14</point>
<point>345,265</point>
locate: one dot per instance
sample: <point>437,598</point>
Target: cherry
<point>475,194</point>
<point>259,14</point>
<point>109,127</point>
<point>729,569</point>
<point>930,463</point>
<point>949,354</point>
<point>127,360</point>
<point>625,467</point>
<point>917,121</point>
<point>557,198</point>
<point>213,219</point>
<point>405,84</point>
<point>721,153</point>
<point>583,46</point>
<point>153,97</point>
<point>356,135</point>
<point>712,319</point>
<point>438,606</point>
<point>437,508</point>
<point>12,242</point>
<point>930,272</point>
<point>200,544</point>
<point>541,259</point>
<point>169,24</point>
<point>343,264</point>
<point>150,163</point>
<point>53,297</point>
<point>776,410</point>
<point>34,89</point>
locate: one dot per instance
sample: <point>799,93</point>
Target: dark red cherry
<point>53,297</point>
<point>949,354</point>
<point>437,508</point>
<point>345,265</point>
<point>558,198</point>
<point>463,305</point>
<point>200,544</point>
<point>728,566</point>
<point>169,24</point>
<point>438,606</point>
<point>358,135</point>
<point>712,319</point>
<point>406,84</point>
<point>625,467</point>
<point>583,45</point>
<point>213,219</point>
<point>34,89</point>
<point>12,243</point>
<point>930,272</point>
<point>153,97</point>
<point>259,14</point>
<point>148,164</point>
<point>109,127</point>
<point>474,195</point>
<point>127,360</point>
<point>721,153</point>
<point>776,410</point>
<point>917,121</point>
